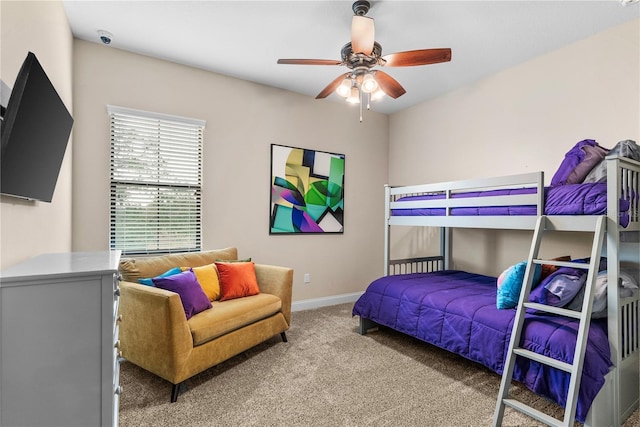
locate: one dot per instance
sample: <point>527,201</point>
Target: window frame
<point>160,177</point>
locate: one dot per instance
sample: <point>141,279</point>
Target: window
<point>156,178</point>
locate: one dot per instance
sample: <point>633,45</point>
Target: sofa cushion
<point>133,269</point>
<point>226,316</point>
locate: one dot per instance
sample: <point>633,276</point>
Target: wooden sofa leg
<point>175,391</point>
<point>283,336</point>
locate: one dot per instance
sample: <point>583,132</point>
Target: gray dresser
<point>59,355</point>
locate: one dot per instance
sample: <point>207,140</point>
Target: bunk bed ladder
<point>545,224</point>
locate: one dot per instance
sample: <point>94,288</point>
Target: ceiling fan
<point>362,54</point>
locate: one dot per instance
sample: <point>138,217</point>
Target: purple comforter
<point>571,199</point>
<point>456,311</point>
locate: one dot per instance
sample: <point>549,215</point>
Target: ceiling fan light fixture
<point>377,94</point>
<point>354,96</point>
<point>369,84</point>
<point>344,89</point>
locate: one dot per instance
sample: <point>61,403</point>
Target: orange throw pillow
<point>237,279</point>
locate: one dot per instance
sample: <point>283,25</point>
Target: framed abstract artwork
<point>307,191</point>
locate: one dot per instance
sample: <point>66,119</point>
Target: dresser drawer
<point>117,388</point>
<point>117,358</point>
<point>116,319</point>
<point>116,296</point>
<point>116,408</point>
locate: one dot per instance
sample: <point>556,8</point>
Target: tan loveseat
<point>156,335</point>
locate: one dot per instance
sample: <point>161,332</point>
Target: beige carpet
<point>329,375</point>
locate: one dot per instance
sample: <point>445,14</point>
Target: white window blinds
<point>156,177</point>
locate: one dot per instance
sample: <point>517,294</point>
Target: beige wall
<point>29,228</point>
<point>521,120</point>
<point>243,119</point>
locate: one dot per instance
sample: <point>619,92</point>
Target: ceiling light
<point>369,84</point>
<point>378,94</point>
<point>354,96</point>
<point>345,88</point>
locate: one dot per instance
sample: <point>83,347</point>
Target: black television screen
<point>34,135</point>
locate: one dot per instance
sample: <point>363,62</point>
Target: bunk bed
<point>457,311</point>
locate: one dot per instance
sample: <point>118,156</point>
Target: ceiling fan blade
<point>309,61</point>
<point>389,85</point>
<point>417,57</point>
<point>331,86</point>
<point>362,34</point>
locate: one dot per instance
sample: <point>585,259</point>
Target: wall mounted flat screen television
<point>34,136</point>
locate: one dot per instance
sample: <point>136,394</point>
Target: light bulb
<point>354,96</point>
<point>344,89</point>
<point>369,84</point>
<point>378,94</point>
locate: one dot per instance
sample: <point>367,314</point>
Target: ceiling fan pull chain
<point>360,93</point>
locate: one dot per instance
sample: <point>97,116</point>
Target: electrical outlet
<point>307,278</point>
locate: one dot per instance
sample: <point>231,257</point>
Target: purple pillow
<point>563,288</point>
<point>626,148</point>
<point>185,284</point>
<point>560,287</point>
<point>149,281</point>
<point>578,162</point>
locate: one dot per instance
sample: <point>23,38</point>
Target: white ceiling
<point>244,39</point>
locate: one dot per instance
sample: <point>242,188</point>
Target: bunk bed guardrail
<point>416,265</point>
<point>447,196</point>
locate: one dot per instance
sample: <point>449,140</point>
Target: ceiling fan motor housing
<point>353,60</point>
<point>361,7</point>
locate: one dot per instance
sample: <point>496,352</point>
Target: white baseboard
<point>309,304</point>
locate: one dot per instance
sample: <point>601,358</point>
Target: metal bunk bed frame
<point>619,396</point>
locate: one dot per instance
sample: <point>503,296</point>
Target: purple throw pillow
<point>578,162</point>
<point>149,281</point>
<point>592,156</point>
<point>560,287</point>
<point>185,284</point>
<point>563,288</point>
